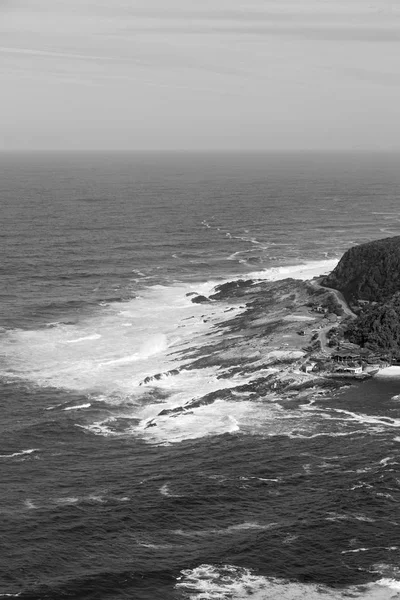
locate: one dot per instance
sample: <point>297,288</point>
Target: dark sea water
<point>230,500</point>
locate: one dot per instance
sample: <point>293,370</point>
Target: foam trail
<point>370,420</point>
<point>19,453</point>
<point>85,338</point>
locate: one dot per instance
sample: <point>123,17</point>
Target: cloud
<point>318,32</point>
<point>51,54</point>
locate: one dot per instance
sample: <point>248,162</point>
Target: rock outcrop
<point>368,272</point>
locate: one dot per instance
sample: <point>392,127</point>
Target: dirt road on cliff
<point>339,297</point>
<point>346,310</point>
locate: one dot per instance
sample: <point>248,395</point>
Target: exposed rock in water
<point>223,394</point>
<point>158,376</point>
<point>200,299</point>
<point>232,289</point>
<point>369,271</point>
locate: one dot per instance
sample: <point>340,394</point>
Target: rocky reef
<point>273,346</point>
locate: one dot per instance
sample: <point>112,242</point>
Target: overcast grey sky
<point>200,74</point>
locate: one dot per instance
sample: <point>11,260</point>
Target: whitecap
<point>252,526</point>
<point>229,582</point>
<point>22,453</point>
<point>66,501</point>
<point>165,491</point>
<point>386,460</point>
<point>78,406</point>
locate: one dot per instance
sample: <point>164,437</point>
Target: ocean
<point>110,487</point>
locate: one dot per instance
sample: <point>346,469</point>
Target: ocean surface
<point>233,499</point>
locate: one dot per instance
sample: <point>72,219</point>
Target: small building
<point>353,369</point>
<point>308,367</point>
<point>320,309</point>
<point>343,356</point>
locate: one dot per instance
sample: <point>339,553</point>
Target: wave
<point>248,526</point>
<point>165,491</point>
<point>356,550</point>
<point>302,271</point>
<point>22,453</point>
<point>89,499</point>
<point>79,406</point>
<point>229,582</point>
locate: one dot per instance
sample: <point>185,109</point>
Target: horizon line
<point>200,151</point>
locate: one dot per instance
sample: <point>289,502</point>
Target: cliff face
<point>368,272</point>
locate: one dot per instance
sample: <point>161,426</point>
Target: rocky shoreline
<point>276,343</point>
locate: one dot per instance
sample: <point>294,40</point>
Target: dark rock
<point>200,299</point>
<point>159,376</point>
<point>232,289</point>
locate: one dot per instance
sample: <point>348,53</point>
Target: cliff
<point>369,271</point>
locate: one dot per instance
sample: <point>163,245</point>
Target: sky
<point>236,75</point>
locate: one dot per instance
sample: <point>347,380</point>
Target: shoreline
<point>271,345</point>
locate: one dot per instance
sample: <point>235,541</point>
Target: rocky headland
<point>297,339</point>
<point>368,276</point>
<point>369,272</point>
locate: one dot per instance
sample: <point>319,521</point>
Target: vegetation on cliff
<point>368,272</point>
<point>378,327</point>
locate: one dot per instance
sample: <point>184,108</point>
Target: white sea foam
<point>228,582</point>
<point>369,419</point>
<point>388,373</point>
<point>66,501</point>
<point>165,491</point>
<point>22,453</point>
<point>356,550</point>
<point>85,338</point>
<point>304,271</point>
<point>386,461</point>
<point>100,357</point>
<point>248,526</point>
